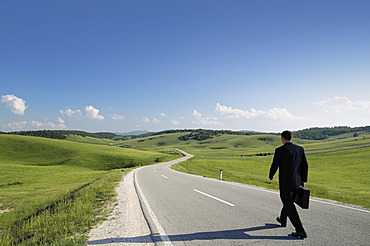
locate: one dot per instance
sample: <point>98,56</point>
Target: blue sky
<point>122,66</point>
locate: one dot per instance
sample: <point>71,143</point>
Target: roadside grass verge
<point>64,220</point>
<point>342,176</point>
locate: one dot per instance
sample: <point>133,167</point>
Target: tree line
<point>321,133</point>
<point>201,134</point>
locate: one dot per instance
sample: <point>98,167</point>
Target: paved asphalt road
<point>185,209</point>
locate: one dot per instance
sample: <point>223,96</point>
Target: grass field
<point>91,140</point>
<point>236,145</point>
<point>223,145</point>
<point>340,175</point>
<point>51,190</point>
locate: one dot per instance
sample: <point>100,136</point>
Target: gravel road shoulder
<point>126,224</point>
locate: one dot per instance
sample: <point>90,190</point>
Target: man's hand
<point>272,178</point>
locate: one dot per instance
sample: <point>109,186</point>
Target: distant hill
<point>134,133</point>
<point>315,133</point>
<point>257,132</point>
<point>321,133</point>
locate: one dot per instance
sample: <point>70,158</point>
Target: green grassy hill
<point>48,152</point>
<point>223,144</point>
<point>236,145</point>
<point>39,176</point>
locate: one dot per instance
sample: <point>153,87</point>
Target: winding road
<point>184,209</point>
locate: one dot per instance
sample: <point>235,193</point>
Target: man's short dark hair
<point>287,135</point>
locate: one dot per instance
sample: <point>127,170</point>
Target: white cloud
<point>117,117</point>
<point>15,104</point>
<point>163,115</point>
<point>205,121</point>
<point>339,105</point>
<point>196,113</point>
<point>47,124</point>
<point>208,121</point>
<point>147,120</point>
<point>61,123</point>
<point>278,113</point>
<point>93,113</point>
<point>90,112</point>
<point>69,112</point>
<point>15,125</point>
<point>274,113</point>
<point>35,125</point>
<point>175,122</point>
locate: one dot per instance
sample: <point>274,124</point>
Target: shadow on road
<point>238,234</point>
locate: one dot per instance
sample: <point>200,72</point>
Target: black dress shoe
<point>300,235</point>
<point>281,223</point>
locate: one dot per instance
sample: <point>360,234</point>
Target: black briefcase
<point>302,197</point>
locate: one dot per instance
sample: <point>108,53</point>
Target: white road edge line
<point>213,197</point>
<point>339,205</point>
<point>165,239</point>
<point>164,176</point>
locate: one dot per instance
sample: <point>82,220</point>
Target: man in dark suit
<point>291,161</point>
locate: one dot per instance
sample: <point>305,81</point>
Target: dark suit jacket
<point>292,164</point>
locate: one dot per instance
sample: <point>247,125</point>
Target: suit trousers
<point>289,210</point>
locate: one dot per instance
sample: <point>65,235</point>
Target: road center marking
<point>164,176</point>
<point>213,197</point>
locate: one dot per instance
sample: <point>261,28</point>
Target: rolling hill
<point>52,190</point>
<point>225,144</point>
